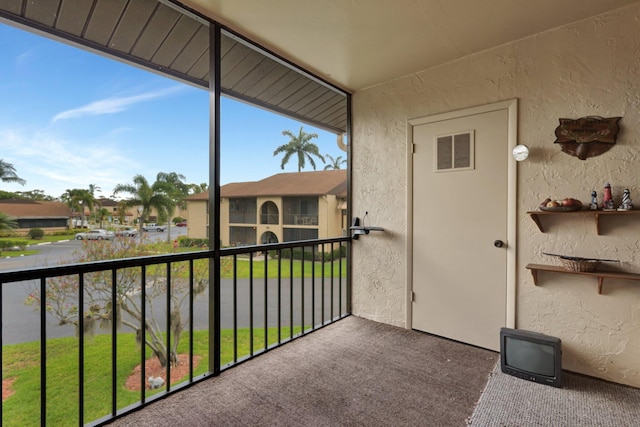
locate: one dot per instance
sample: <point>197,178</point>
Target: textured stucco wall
<point>588,68</point>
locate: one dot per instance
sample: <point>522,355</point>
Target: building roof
<point>22,208</point>
<point>316,183</point>
<point>106,202</point>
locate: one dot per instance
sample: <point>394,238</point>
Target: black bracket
<point>359,230</point>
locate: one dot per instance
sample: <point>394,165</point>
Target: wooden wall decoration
<point>587,136</point>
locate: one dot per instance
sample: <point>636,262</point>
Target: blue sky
<point>70,118</point>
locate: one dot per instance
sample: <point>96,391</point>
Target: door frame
<point>512,136</point>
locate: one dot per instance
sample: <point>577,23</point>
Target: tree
<point>101,214</point>
<point>126,309</point>
<point>7,222</point>
<point>198,188</point>
<point>147,197</point>
<point>177,191</point>
<point>8,173</point>
<point>301,147</point>
<point>34,195</point>
<point>77,199</point>
<point>122,211</point>
<point>93,188</point>
<point>334,163</point>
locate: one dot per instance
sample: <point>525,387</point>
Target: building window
<point>243,211</point>
<point>293,234</point>
<point>269,213</point>
<point>239,236</point>
<point>300,210</point>
<point>42,222</point>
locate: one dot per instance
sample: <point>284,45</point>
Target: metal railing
<point>149,307</point>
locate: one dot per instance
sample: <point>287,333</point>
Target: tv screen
<point>531,356</point>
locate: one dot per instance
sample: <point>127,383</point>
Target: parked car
<point>97,234</point>
<point>181,224</point>
<point>127,232</point>
<point>153,226</point>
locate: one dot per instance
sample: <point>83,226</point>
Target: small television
<point>531,356</point>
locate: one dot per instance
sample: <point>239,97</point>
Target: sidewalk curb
<point>49,243</point>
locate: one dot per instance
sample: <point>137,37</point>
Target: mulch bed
<point>7,391</point>
<point>153,369</point>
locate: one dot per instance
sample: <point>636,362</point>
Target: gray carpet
<point>352,373</point>
<point>583,401</point>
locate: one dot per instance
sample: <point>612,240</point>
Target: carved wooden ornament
<point>587,136</point>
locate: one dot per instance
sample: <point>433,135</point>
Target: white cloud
<point>53,165</point>
<point>114,105</point>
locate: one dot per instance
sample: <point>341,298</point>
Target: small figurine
<point>594,201</point>
<point>627,204</point>
<point>607,199</point>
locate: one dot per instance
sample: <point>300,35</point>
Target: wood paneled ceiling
<point>160,37</point>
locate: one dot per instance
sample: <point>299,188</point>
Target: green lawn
<point>45,238</point>
<point>22,362</point>
<point>13,254</point>
<point>243,268</point>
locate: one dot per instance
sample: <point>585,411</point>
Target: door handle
<point>498,243</point>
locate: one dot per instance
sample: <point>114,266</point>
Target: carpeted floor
<point>352,373</point>
<point>582,401</point>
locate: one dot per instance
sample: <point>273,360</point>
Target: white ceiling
<point>360,43</point>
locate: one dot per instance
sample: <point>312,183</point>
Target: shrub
<point>189,242</point>
<point>36,233</point>
<point>10,244</point>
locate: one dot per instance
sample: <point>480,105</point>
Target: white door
<point>460,230</point>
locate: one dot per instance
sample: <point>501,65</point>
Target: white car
<point>154,227</point>
<point>97,234</point>
<point>127,232</point>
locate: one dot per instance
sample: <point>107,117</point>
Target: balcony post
<point>215,35</point>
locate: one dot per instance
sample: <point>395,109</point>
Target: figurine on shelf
<point>607,199</point>
<point>627,204</point>
<point>594,201</point>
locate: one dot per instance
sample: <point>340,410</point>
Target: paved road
<point>51,254</point>
<point>21,324</point>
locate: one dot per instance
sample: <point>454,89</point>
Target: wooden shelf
<point>596,214</point>
<point>600,275</point>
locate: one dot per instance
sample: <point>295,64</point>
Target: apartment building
<point>280,208</point>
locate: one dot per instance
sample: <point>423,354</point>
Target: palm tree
<point>334,163</point>
<point>7,222</point>
<point>147,197</point>
<point>77,199</point>
<point>301,147</point>
<point>93,188</point>
<point>8,173</point>
<point>178,191</point>
<point>101,214</point>
<point>122,211</point>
